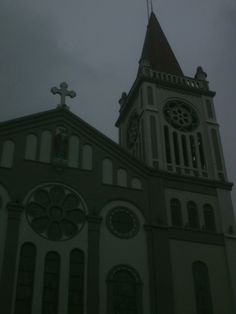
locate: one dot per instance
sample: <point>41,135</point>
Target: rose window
<point>122,222</point>
<point>181,116</point>
<point>55,212</point>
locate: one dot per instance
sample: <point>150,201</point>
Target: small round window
<point>122,222</point>
<point>181,116</point>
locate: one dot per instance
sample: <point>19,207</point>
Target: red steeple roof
<point>157,50</point>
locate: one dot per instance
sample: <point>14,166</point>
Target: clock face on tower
<point>132,129</point>
<point>181,116</point>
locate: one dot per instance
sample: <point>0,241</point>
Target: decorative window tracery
<point>181,116</point>
<point>25,279</point>
<point>122,222</point>
<point>76,282</point>
<point>124,291</point>
<point>193,218</point>
<point>202,288</point>
<point>176,212</point>
<point>209,218</point>
<point>55,212</point>
<point>51,283</point>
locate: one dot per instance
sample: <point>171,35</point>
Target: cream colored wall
<point>115,251</point>
<point>43,246</point>
<point>183,254</point>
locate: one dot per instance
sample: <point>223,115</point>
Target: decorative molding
<point>14,208</point>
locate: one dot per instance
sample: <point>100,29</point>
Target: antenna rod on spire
<point>151,6</point>
<point>148,13</point>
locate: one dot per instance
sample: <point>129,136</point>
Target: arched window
<point>25,279</point>
<point>202,288</point>
<point>124,291</point>
<point>107,171</point>
<point>76,282</point>
<point>51,283</point>
<point>121,177</point>
<point>73,154</point>
<point>193,218</point>
<point>45,146</point>
<point>209,218</point>
<point>176,213</point>
<point>7,154</point>
<point>31,147</point>
<point>87,157</point>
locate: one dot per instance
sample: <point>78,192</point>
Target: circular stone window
<point>55,212</point>
<point>181,116</point>
<point>122,222</point>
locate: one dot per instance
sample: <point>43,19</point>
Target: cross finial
<point>63,92</point>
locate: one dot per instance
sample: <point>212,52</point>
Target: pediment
<point>60,138</point>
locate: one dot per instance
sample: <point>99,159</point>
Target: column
<point>93,264</point>
<point>10,254</point>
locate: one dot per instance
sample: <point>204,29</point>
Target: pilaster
<point>10,253</point>
<point>94,223</point>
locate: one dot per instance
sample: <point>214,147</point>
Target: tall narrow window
<point>209,218</point>
<point>107,171</point>
<point>167,144</point>
<point>202,288</point>
<point>76,283</point>
<point>25,280</point>
<point>51,283</point>
<point>7,157</point>
<point>121,177</point>
<point>201,150</point>
<point>87,157</point>
<point>193,218</point>
<point>124,291</point>
<point>176,148</point>
<point>185,150</point>
<point>154,137</point>
<point>45,146</point>
<point>193,151</point>
<point>73,154</point>
<point>31,147</point>
<point>150,95</point>
<point>216,150</point>
<point>209,109</point>
<point>176,213</point>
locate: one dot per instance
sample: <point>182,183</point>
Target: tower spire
<point>157,51</point>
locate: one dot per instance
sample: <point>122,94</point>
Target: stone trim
<point>94,223</point>
<point>8,277</point>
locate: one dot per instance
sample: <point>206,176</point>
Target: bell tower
<point>167,119</point>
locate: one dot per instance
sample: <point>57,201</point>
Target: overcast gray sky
<point>95,46</point>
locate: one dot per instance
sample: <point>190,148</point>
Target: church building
<point>146,226</point>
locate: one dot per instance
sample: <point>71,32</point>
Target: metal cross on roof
<point>63,92</point>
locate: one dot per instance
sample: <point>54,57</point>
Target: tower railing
<point>182,81</point>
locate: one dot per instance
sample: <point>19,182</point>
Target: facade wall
<point>4,199</point>
<point>183,254</point>
<point>116,251</point>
